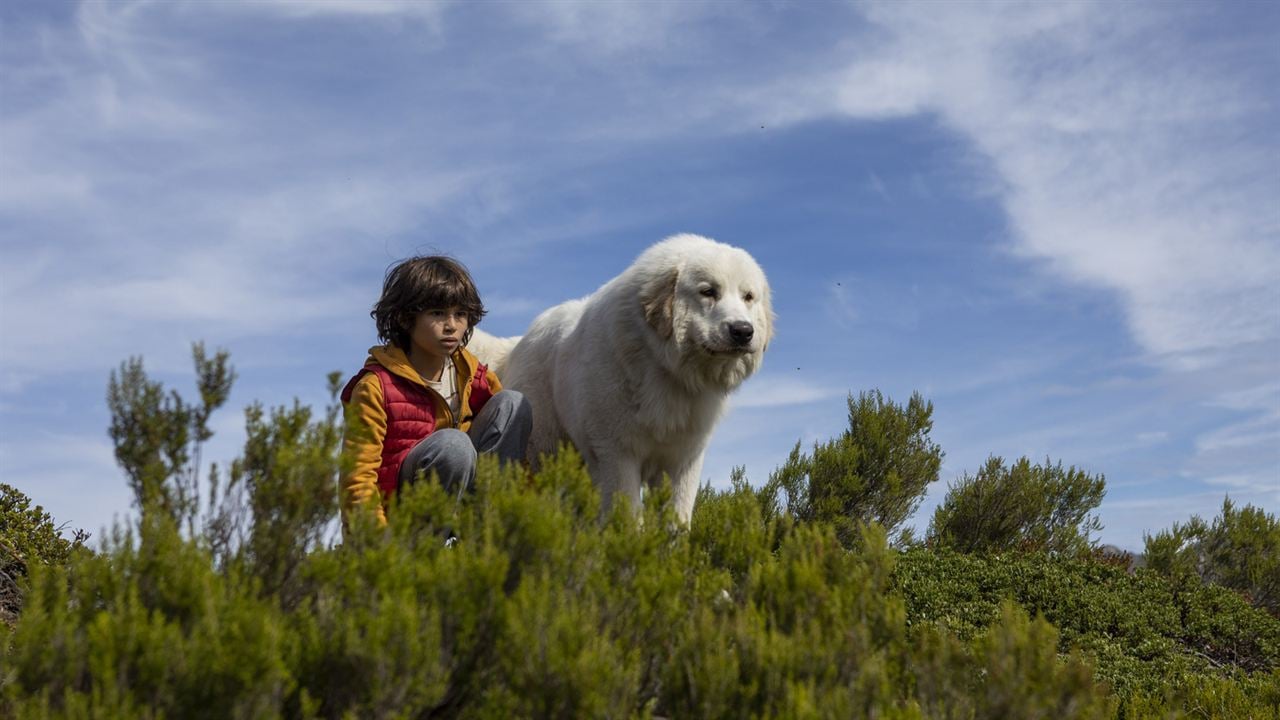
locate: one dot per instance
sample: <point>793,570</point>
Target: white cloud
<point>1254,483</point>
<point>1152,438</point>
<point>167,213</point>
<point>1121,157</point>
<point>1115,153</point>
<point>771,391</point>
<point>430,10</point>
<point>1129,153</point>
<point>74,477</point>
<point>610,28</point>
<point>1253,432</point>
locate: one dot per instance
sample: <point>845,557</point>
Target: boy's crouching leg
<point>502,426</point>
<point>449,453</point>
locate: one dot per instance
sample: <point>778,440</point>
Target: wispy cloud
<point>426,9</point>
<point>771,391</point>
<point>234,170</point>
<point>1125,151</point>
<point>1255,483</point>
<point>1124,160</point>
<point>77,476</point>
<point>166,205</point>
<point>614,28</point>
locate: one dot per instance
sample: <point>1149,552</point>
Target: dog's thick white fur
<point>637,374</point>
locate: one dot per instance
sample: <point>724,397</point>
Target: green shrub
<point>540,610</point>
<point>146,628</point>
<point>1144,633</point>
<point>158,436</point>
<point>1240,550</point>
<point>27,537</point>
<point>1021,507</point>
<point>876,471</point>
<point>544,609</point>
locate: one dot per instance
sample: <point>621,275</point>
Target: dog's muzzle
<point>740,333</point>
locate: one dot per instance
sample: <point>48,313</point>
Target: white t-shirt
<point>447,386</point>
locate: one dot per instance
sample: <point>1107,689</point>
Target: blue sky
<point>1056,221</point>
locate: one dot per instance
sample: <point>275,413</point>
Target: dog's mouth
<point>727,351</point>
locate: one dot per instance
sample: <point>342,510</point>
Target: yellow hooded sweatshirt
<point>365,415</point>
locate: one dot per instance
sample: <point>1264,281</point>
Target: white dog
<point>637,374</point>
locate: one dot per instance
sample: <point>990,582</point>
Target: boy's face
<point>438,331</point>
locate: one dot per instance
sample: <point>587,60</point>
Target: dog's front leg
<point>684,488</point>
<point>617,477</point>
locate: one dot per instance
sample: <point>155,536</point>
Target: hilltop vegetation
<point>787,600</point>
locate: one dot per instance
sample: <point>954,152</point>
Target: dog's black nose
<point>740,332</point>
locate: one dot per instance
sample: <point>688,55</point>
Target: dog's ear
<point>658,298</point>
<point>769,319</point>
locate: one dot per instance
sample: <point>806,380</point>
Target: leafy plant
<point>1240,550</point>
<point>1020,507</point>
<point>1142,632</point>
<point>876,471</point>
<point>158,435</point>
<point>543,609</point>
<point>28,537</point>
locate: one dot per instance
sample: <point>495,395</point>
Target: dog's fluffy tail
<point>492,351</point>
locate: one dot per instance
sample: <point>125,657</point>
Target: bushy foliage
<point>285,481</point>
<point>543,609</point>
<point>538,611</point>
<point>1240,550</point>
<point>27,537</point>
<point>876,471</point>
<point>276,502</point>
<point>158,435</point>
<point>1144,634</point>
<point>1021,507</point>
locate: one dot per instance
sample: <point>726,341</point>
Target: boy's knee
<point>455,460</point>
<point>517,402</point>
<point>454,447</point>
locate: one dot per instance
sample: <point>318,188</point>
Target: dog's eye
<point>709,291</point>
<point>748,297</point>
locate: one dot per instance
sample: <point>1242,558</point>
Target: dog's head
<point>710,303</point>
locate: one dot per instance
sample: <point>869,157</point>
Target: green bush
<point>27,537</point>
<point>158,435</point>
<point>876,471</point>
<point>541,611</point>
<point>538,611</point>
<point>1021,507</point>
<point>1143,632</point>
<point>146,628</point>
<point>1240,550</point>
<point>544,609</point>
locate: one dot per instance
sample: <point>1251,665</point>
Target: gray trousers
<point>502,427</point>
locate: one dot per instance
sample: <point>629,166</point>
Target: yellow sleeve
<point>495,385</point>
<point>366,429</point>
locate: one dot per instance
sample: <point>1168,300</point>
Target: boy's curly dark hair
<point>423,283</point>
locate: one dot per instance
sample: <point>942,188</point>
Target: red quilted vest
<point>410,416</point>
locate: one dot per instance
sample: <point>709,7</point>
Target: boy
<point>422,402</point>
